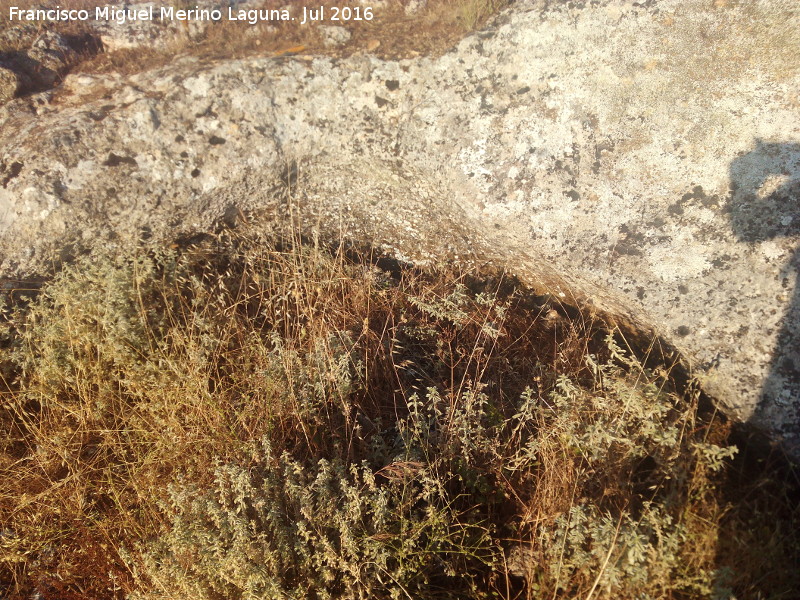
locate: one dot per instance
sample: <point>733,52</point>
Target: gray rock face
<point>643,158</point>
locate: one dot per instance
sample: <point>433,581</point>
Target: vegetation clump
<point>268,418</point>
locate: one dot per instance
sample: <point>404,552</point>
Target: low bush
<point>268,418</point>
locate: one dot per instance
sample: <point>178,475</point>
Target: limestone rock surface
<point>641,157</point>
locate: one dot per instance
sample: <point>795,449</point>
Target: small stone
<point>415,7</point>
<point>43,69</point>
<point>334,36</point>
<point>56,44</point>
<point>9,84</point>
<point>43,64</point>
<point>231,216</point>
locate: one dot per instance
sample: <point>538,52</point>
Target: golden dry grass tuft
<point>270,418</point>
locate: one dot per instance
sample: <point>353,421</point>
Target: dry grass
<point>170,416</point>
<point>390,34</point>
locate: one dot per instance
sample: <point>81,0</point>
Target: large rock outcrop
<point>640,156</point>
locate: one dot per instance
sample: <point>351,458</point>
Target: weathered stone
<point>53,56</point>
<point>643,159</point>
<point>160,33</point>
<point>132,34</point>
<point>334,36</point>
<point>415,7</point>
<point>17,36</point>
<point>54,44</point>
<point>8,84</point>
<point>42,65</point>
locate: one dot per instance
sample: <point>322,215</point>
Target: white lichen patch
<point>670,265</point>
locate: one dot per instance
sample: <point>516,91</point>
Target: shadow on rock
<point>765,205</point>
<point>44,64</point>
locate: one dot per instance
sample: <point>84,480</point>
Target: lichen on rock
<point>608,151</point>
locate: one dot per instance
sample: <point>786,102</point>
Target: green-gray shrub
<point>327,433</point>
<point>283,528</point>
